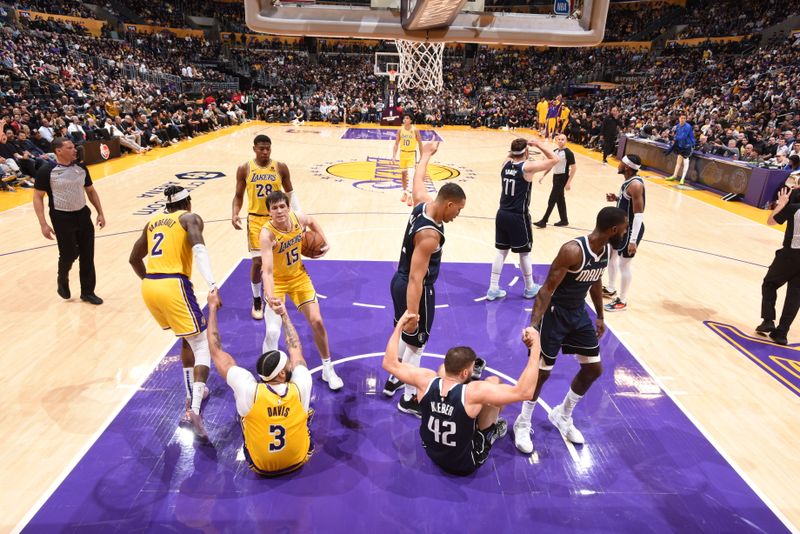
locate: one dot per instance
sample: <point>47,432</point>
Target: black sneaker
<point>477,371</point>
<point>500,430</point>
<point>540,224</point>
<point>391,386</point>
<point>608,292</point>
<point>561,223</point>
<point>92,299</point>
<point>765,328</point>
<point>410,406</point>
<point>257,312</point>
<point>778,337</point>
<point>63,288</point>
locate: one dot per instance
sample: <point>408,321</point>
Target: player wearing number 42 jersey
<point>258,178</point>
<point>460,416</point>
<point>172,240</point>
<point>274,412</point>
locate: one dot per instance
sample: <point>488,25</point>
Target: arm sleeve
<point>243,385</point>
<point>301,377</point>
<point>203,263</point>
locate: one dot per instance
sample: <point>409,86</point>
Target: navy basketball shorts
<point>569,330</point>
<point>427,307</point>
<point>623,249</point>
<point>468,462</point>
<point>512,230</point>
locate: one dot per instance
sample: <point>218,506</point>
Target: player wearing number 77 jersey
<point>513,219</point>
<point>259,177</point>
<point>284,274</point>
<point>460,420</point>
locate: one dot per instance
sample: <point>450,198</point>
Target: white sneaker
<point>565,426</point>
<point>334,382</point>
<point>197,425</point>
<point>522,436</point>
<point>494,294</point>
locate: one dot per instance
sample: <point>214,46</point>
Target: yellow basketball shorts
<point>171,301</point>
<point>551,126</point>
<point>254,225</point>
<point>408,159</point>
<point>299,289</point>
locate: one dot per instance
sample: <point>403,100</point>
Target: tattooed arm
<point>293,346</point>
<point>222,360</point>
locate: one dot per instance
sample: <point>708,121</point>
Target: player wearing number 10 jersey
<point>258,178</point>
<point>513,220</point>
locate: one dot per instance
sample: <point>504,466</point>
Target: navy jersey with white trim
<point>446,429</point>
<point>571,292</point>
<point>515,194</point>
<point>416,222</point>
<point>625,201</point>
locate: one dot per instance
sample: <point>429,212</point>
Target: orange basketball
<point>312,244</point>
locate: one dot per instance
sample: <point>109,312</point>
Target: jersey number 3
<point>442,431</point>
<point>278,438</point>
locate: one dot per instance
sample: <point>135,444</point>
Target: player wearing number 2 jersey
<point>460,420</point>
<point>513,220</point>
<point>284,274</point>
<point>258,178</point>
<point>172,240</point>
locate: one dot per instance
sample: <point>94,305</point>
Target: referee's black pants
<point>609,145</point>
<point>557,198</point>
<point>75,237</point>
<point>785,269</point>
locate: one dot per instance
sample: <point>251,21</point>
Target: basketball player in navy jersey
<point>562,320</point>
<point>412,285</point>
<point>631,201</point>
<point>460,416</point>
<point>513,219</point>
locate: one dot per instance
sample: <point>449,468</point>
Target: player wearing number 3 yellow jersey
<point>274,412</point>
<point>284,274</point>
<point>258,178</point>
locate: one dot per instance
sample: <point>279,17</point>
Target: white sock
<point>527,411</point>
<point>685,168</point>
<point>256,289</point>
<point>198,389</point>
<point>626,274</point>
<point>497,269</point>
<point>570,401</point>
<point>526,266</point>
<point>188,380</point>
<point>412,356</point>
<point>327,366</point>
<point>613,268</point>
<point>401,349</point>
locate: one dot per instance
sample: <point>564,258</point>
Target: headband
<point>177,197</point>
<point>630,164</point>
<point>278,368</point>
<point>518,152</point>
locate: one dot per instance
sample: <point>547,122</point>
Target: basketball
<point>312,244</point>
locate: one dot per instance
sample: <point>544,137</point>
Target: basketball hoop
<point>392,76</point>
<point>420,65</point>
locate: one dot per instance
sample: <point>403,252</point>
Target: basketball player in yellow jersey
<point>408,139</point>
<point>541,114</point>
<point>284,274</point>
<point>259,177</point>
<point>275,411</point>
<point>563,118</point>
<point>172,239</point>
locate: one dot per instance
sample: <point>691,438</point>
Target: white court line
<point>378,306</point>
<point>441,306</point>
<point>570,446</point>
<point>673,396</point>
<point>479,299</point>
<point>513,281</point>
<point>93,439</point>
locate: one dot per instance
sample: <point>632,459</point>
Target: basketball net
<point>420,65</point>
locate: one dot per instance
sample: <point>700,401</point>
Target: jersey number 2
<point>156,250</point>
<point>442,431</point>
<point>508,186</point>
<point>278,438</point>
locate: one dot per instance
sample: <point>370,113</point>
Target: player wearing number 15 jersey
<point>172,240</point>
<point>258,178</point>
<point>285,275</point>
<point>513,220</point>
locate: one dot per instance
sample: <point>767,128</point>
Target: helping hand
<point>277,306</point>
<point>409,322</point>
<point>214,300</point>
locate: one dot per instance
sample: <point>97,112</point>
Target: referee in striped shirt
<point>67,185</point>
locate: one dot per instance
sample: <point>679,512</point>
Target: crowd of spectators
<point>72,8</point>
<point>733,17</point>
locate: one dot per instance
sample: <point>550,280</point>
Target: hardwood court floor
<point>69,367</point>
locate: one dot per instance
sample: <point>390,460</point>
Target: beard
<point>288,376</point>
<point>615,241</point>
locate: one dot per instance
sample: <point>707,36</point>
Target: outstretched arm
<point>409,374</point>
<point>267,268</point>
<point>548,163</point>
<point>419,192</point>
<point>222,360</point>
<point>293,346</point>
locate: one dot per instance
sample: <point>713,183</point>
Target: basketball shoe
<point>500,430</point>
<point>257,312</point>
<point>522,435</point>
<point>494,294</point>
<point>609,292</point>
<point>410,406</point>
<point>615,306</point>
<point>565,426</point>
<point>391,386</point>
<point>329,375</point>
<point>532,292</point>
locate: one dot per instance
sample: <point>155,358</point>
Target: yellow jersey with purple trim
<point>168,245</point>
<point>408,139</point>
<point>286,260</point>
<point>260,182</point>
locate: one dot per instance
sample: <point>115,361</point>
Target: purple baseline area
<point>645,468</point>
<point>383,134</point>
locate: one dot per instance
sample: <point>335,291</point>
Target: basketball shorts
<point>551,126</point>
<point>408,158</point>
<point>569,330</point>
<point>684,152</point>
<point>427,307</point>
<point>299,289</point>
<point>171,301</point>
<point>512,230</point>
<point>254,225</point>
<point>471,460</point>
<point>623,249</point>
